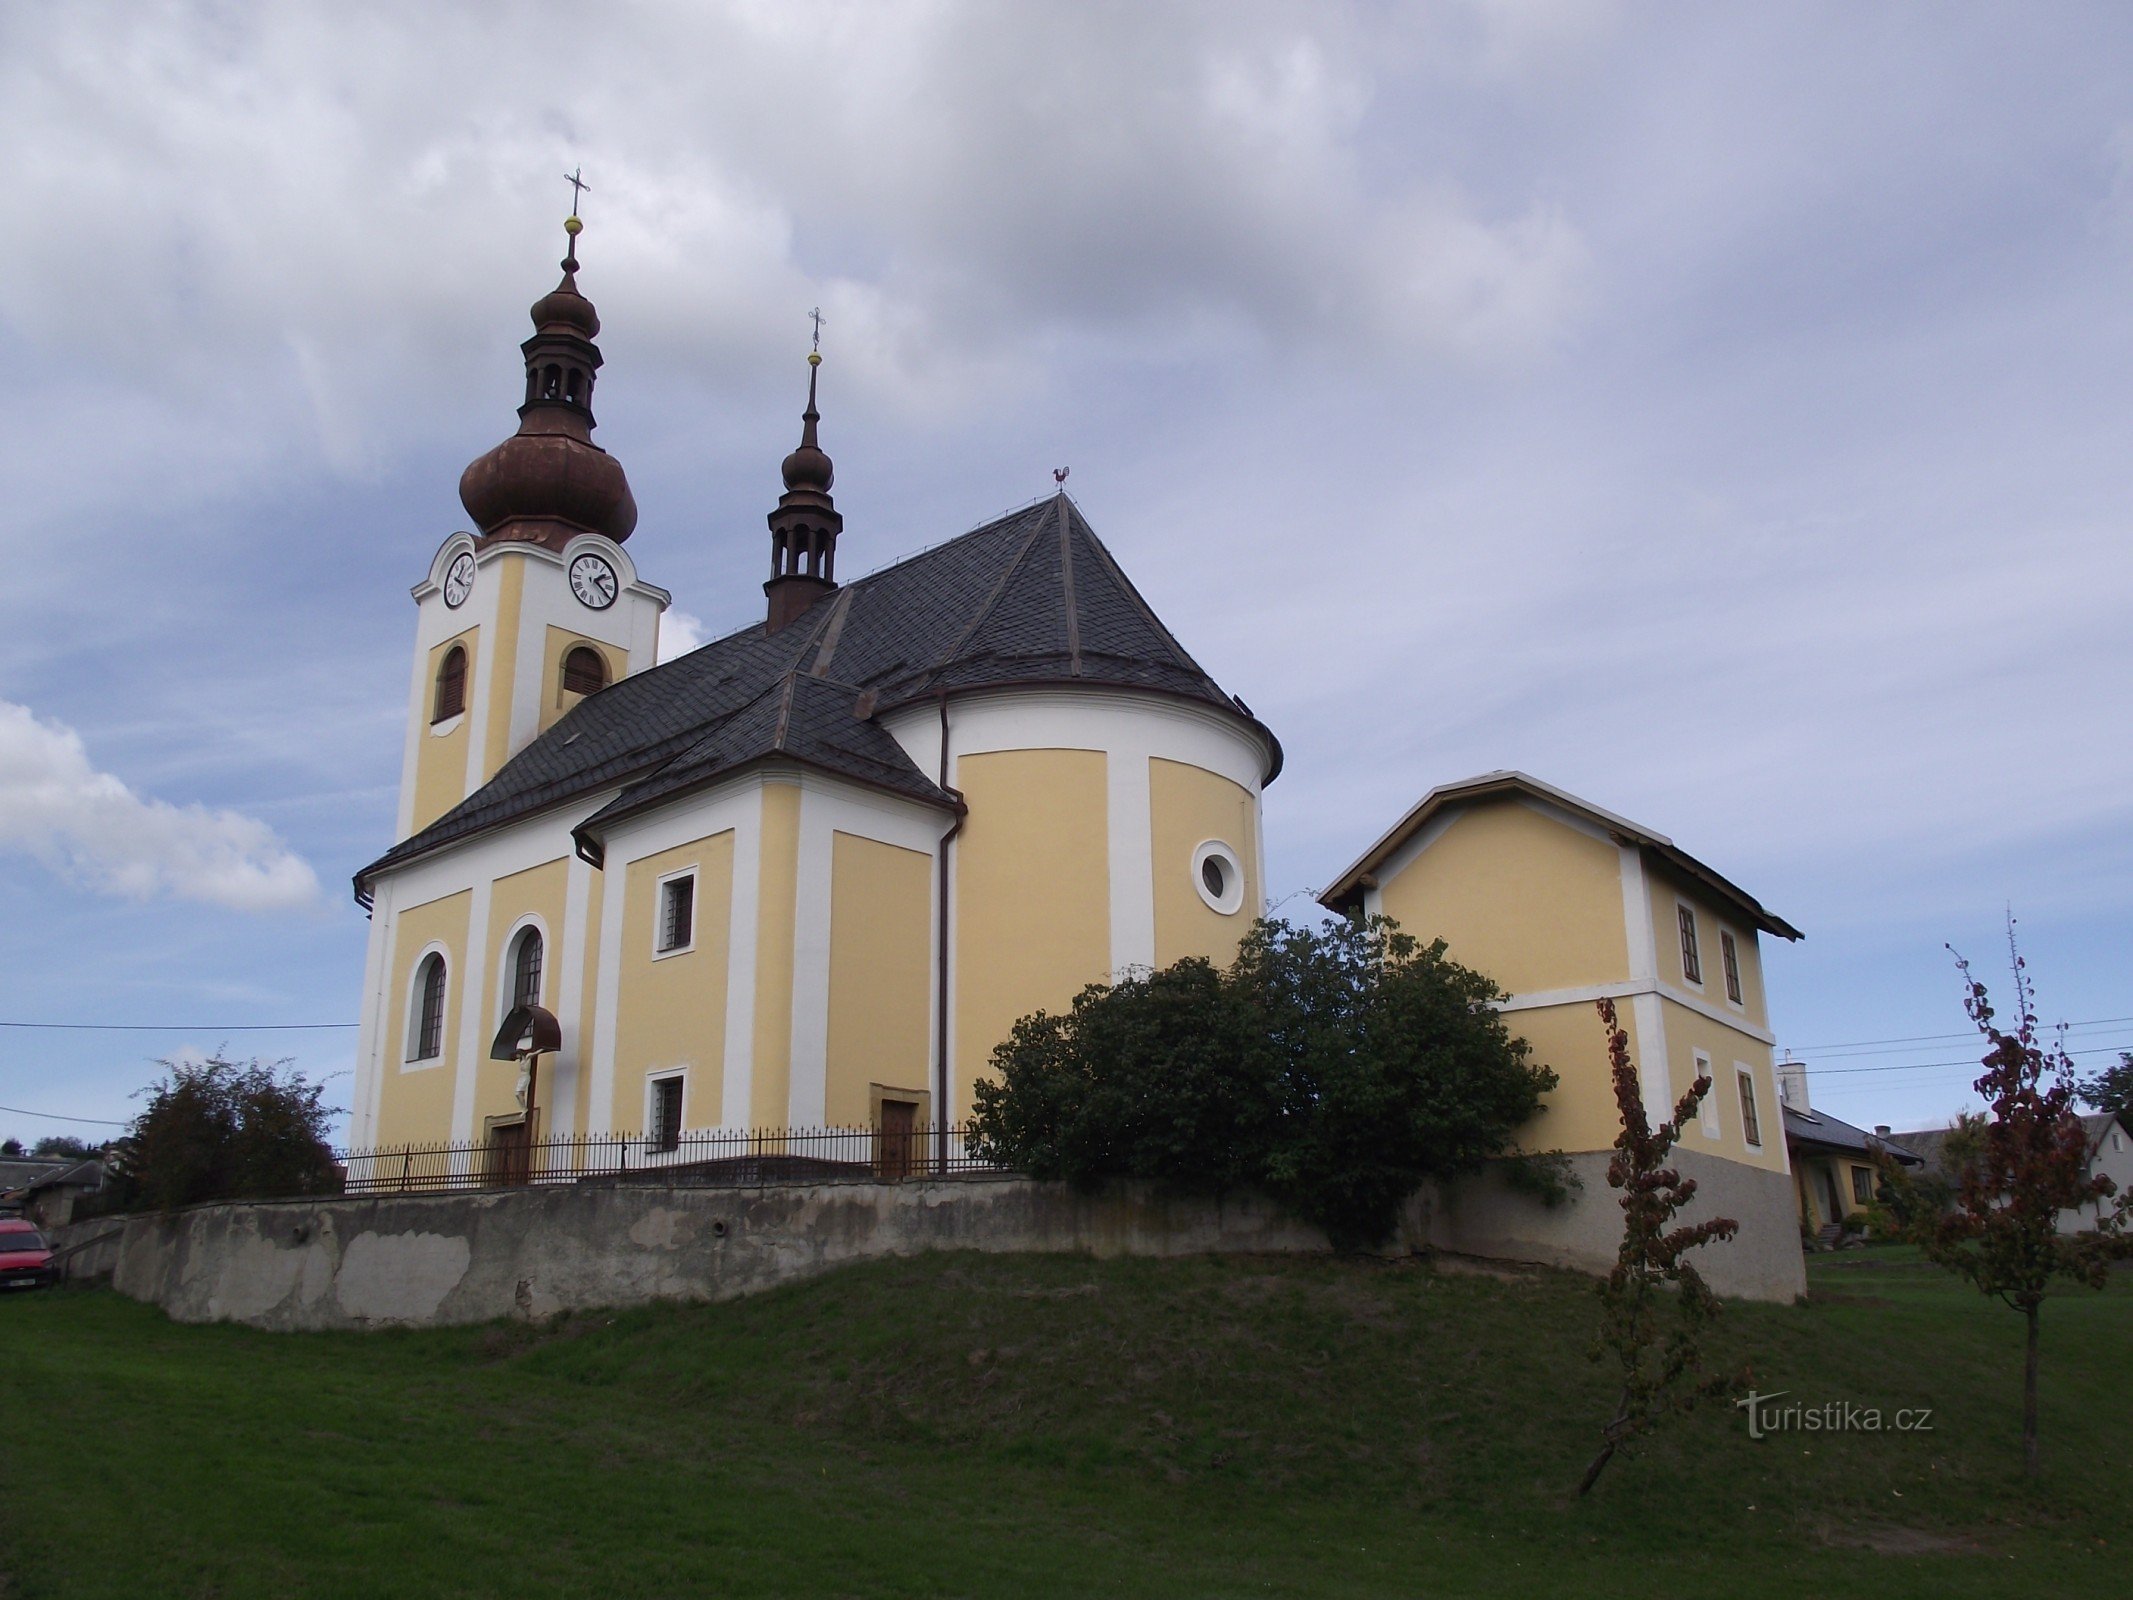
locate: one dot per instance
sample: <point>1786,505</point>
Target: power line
<point>53,1116</point>
<point>1934,1038</point>
<point>178,1027</point>
<point>1927,1066</point>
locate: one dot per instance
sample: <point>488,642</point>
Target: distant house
<point>2110,1156</point>
<point>1832,1161</point>
<point>47,1191</point>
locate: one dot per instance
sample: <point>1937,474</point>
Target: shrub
<point>226,1130</point>
<point>1335,1067</point>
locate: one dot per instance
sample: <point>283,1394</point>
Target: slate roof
<point>1818,1129</point>
<point>1931,1144</point>
<point>1033,597</point>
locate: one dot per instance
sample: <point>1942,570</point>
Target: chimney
<point>1792,1083</point>
<point>1881,1130</point>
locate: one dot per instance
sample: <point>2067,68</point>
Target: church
<point>804,876</point>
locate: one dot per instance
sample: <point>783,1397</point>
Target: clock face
<point>459,580</point>
<point>592,580</point>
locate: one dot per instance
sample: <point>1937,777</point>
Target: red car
<point>25,1259</point>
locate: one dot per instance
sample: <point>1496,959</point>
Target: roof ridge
<point>1066,584</point>
<point>977,620</point>
<point>1118,576</point>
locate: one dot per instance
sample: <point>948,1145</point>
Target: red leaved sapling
<point>1655,1306</point>
<point>2013,1175</point>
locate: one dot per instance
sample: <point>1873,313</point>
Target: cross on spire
<point>575,178</point>
<point>815,316</point>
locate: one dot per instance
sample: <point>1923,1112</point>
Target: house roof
<point>1818,1130</point>
<point>1347,889</point>
<point>30,1174</point>
<point>1931,1143</point>
<point>1031,598</point>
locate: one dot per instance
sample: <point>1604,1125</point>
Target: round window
<point>1219,877</point>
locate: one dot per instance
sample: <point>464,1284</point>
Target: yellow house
<point>1563,904</point>
<point>807,875</point>
<point>1833,1163</point>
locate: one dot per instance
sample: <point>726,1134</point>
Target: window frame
<point>660,949</point>
<point>438,714</point>
<point>528,931</point>
<point>1862,1178</point>
<point>1751,1116</point>
<point>564,689</point>
<point>1706,1109</point>
<point>1729,968</point>
<point>659,1141</point>
<point>1690,944</point>
<point>1231,901</point>
<point>418,1011</point>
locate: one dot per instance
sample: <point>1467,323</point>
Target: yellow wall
<point>1032,894</point>
<point>1187,806</point>
<point>496,683</point>
<point>1689,1031</point>
<point>671,1011</point>
<point>441,760</point>
<point>1668,893</point>
<point>415,1101</point>
<point>880,974</point>
<point>1812,1181</point>
<point>770,1099</point>
<point>1533,903</point>
<point>538,890</point>
<point>561,641</point>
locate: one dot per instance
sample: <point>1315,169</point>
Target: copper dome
<point>548,483</point>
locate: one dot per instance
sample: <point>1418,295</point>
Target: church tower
<point>541,605</point>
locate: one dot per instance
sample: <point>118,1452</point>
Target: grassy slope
<point>1048,1426</point>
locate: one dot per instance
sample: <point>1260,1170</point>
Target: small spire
<point>805,525</point>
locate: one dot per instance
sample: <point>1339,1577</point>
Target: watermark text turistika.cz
<point>1768,1415</point>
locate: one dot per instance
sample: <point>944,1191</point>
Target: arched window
<point>451,685</point>
<point>551,382</point>
<point>526,969</point>
<point>570,384</point>
<point>425,1041</point>
<point>584,671</point>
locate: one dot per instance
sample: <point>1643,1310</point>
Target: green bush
<point>226,1130</point>
<point>1336,1067</point>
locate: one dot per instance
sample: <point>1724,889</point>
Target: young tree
<point>2111,1089</point>
<point>1660,1354</point>
<point>2020,1168</point>
<point>227,1130</point>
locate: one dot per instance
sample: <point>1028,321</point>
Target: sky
<point>1717,412</point>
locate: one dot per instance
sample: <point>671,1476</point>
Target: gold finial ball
<point>572,226</point>
<point>814,358</point>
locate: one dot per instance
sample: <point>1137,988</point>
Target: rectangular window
<point>1863,1185</point>
<point>1707,1108</point>
<point>1751,1126</point>
<point>1691,967</point>
<point>677,912</point>
<point>666,1114</point>
<point>1730,957</point>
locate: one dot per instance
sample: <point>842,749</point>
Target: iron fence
<point>710,1159</point>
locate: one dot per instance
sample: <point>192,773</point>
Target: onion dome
<point>549,482</point>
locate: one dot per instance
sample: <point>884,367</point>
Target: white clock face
<point>592,580</point>
<point>459,580</point>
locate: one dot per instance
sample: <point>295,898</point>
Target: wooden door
<point>893,1160</point>
<point>510,1153</point>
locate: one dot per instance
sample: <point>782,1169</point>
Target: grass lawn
<point>1033,1426</point>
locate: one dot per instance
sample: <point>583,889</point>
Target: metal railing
<point>710,1159</point>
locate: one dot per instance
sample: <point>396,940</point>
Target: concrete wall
<point>1484,1216</point>
<point>415,1260</point>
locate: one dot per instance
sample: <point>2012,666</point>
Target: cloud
<point>679,633</point>
<point>56,807</point>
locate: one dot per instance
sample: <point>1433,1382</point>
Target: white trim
<point>1231,900</point>
<point>1707,1108</point>
<point>1586,993</point>
<point>473,1008</point>
<point>506,968</point>
<point>1726,935</point>
<point>1653,1069</point>
<point>1637,915</point>
<point>607,990</point>
<point>414,1063</point>
<point>1425,836</point>
<point>1745,1071</point>
<point>377,1007</point>
<point>445,728</point>
<point>653,1077</point>
<point>1695,931</point>
<point>570,996</point>
<point>659,912</point>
